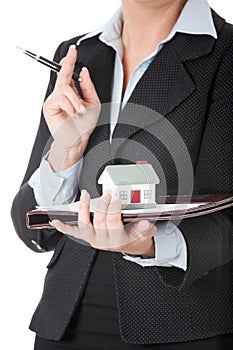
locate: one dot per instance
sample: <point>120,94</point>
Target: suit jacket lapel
<point>160,86</point>
<point>164,86</point>
<point>167,83</point>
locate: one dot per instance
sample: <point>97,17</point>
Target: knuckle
<point>61,90</point>
<point>99,221</point>
<point>62,60</point>
<point>120,248</point>
<point>112,220</point>
<point>66,66</point>
<point>61,99</point>
<point>82,225</point>
<point>45,105</point>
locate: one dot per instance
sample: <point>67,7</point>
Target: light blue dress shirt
<point>59,188</point>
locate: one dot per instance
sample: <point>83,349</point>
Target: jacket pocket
<point>57,252</point>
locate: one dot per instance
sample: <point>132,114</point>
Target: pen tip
<point>20,48</point>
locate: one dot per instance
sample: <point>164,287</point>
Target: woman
<point>173,58</point>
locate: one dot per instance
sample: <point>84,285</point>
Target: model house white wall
<point>134,183</point>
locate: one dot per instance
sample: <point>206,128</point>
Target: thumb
<point>59,225</point>
<point>143,228</point>
<point>88,88</point>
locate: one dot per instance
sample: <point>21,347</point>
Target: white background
<point>38,26</point>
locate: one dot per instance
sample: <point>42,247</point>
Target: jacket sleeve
<point>24,201</point>
<point>210,238</point>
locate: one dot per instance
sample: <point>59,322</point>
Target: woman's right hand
<point>70,119</point>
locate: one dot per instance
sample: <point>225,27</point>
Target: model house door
<point>136,196</point>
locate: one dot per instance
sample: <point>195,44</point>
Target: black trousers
<point>95,324</point>
<point>90,342</point>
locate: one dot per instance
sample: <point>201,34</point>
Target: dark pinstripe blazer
<point>190,83</point>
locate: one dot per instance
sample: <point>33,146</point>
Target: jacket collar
<point>171,86</point>
<point>190,47</point>
<point>99,58</point>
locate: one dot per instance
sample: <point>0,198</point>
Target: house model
<point>134,183</point>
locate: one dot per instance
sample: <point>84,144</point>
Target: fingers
<point>67,69</point>
<point>84,229</point>
<point>84,209</point>
<point>67,229</point>
<point>65,97</point>
<point>108,231</point>
<point>107,212</point>
<point>90,95</point>
<point>143,229</point>
<point>68,95</point>
<point>67,92</point>
<point>100,214</point>
<point>64,104</point>
<point>113,217</point>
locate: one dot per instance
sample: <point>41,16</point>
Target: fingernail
<point>80,79</point>
<point>84,69</point>
<point>84,196</point>
<point>72,46</point>
<point>82,109</point>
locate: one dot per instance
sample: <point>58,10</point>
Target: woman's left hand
<point>107,232</point>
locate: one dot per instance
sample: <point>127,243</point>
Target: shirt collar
<point>195,18</point>
<point>110,31</point>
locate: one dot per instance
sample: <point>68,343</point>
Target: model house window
<point>136,196</point>
<point>147,194</point>
<point>123,195</point>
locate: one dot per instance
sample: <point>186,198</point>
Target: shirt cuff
<point>51,188</point>
<point>170,248</point>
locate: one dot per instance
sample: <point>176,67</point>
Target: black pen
<point>54,66</point>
